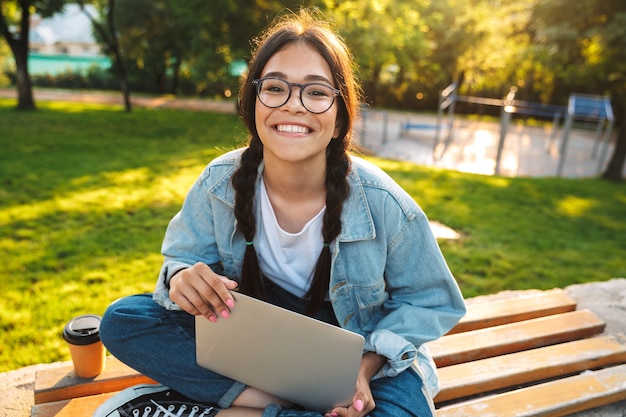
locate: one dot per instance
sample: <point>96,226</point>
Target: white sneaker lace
<point>169,411</point>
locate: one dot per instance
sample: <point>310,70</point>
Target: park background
<point>87,190</point>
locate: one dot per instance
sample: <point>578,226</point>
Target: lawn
<point>86,193</point>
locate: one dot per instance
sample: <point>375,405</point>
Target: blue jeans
<point>161,345</point>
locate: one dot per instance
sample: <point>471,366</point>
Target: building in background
<point>64,43</point>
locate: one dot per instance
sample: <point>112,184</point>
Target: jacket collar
<point>356,217</point>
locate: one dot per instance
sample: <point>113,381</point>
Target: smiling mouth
<point>292,129</point>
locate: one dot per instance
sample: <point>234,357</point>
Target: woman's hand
<point>362,401</point>
<point>200,291</point>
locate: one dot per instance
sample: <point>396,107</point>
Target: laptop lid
<point>291,356</point>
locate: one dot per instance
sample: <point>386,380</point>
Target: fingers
<point>358,405</point>
<point>200,291</point>
<point>357,409</point>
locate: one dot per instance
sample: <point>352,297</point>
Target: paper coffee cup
<point>82,335</point>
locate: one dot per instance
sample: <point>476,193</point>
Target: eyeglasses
<point>275,92</point>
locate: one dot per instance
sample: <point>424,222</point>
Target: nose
<point>294,101</point>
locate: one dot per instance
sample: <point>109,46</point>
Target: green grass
<point>86,193</point>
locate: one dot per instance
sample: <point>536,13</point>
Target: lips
<point>293,129</point>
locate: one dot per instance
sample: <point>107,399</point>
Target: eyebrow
<point>308,78</point>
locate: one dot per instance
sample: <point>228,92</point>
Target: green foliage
<point>387,50</point>
<point>406,50</point>
<point>584,45</point>
<point>95,78</point>
<point>6,64</point>
<point>87,191</point>
<point>170,46</point>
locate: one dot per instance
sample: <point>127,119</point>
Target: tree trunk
<point>615,169</point>
<point>19,47</point>
<point>119,62</point>
<point>176,76</point>
<point>109,36</point>
<point>120,69</point>
<point>160,77</point>
<point>25,99</point>
<point>616,165</point>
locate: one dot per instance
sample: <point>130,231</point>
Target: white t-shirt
<point>288,259</point>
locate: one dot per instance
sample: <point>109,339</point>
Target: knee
<point>123,318</point>
<point>109,326</point>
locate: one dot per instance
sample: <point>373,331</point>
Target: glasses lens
<point>273,92</point>
<point>317,98</point>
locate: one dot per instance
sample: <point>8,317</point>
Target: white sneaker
<point>149,400</point>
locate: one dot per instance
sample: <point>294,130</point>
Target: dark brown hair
<point>302,27</point>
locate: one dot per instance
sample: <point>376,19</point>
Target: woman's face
<point>291,133</point>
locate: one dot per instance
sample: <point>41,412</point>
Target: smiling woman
<point>294,219</point>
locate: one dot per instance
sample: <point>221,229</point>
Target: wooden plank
<point>495,313</point>
<point>514,337</point>
<point>84,406</point>
<point>482,376</point>
<point>552,399</point>
<point>62,383</point>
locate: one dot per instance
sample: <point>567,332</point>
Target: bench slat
<point>482,376</point>
<point>495,313</point>
<point>62,383</point>
<point>552,399</point>
<point>514,337</point>
<point>510,343</point>
<point>77,407</point>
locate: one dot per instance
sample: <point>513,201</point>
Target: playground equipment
<point>586,111</point>
<point>582,111</point>
<point>508,105</point>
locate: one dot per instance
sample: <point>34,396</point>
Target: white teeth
<point>292,129</point>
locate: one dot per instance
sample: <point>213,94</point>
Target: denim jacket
<point>389,281</point>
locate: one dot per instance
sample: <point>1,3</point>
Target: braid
<point>337,189</point>
<point>304,27</point>
<point>244,181</point>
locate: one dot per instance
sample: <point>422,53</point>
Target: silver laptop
<point>294,357</point>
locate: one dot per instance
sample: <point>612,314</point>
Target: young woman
<point>295,220</point>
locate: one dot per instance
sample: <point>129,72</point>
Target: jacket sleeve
<point>424,301</point>
<point>189,239</point>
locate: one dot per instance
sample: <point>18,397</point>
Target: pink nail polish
<point>358,404</point>
<point>212,318</point>
<point>230,303</point>
<point>225,314</point>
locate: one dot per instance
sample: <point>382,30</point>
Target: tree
<point>154,36</point>
<point>224,33</point>
<point>15,28</point>
<point>161,40</point>
<point>385,50</point>
<point>107,32</point>
<point>587,43</point>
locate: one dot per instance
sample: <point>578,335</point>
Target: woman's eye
<point>318,92</point>
<point>274,89</point>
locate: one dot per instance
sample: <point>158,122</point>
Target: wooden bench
<point>534,355</point>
